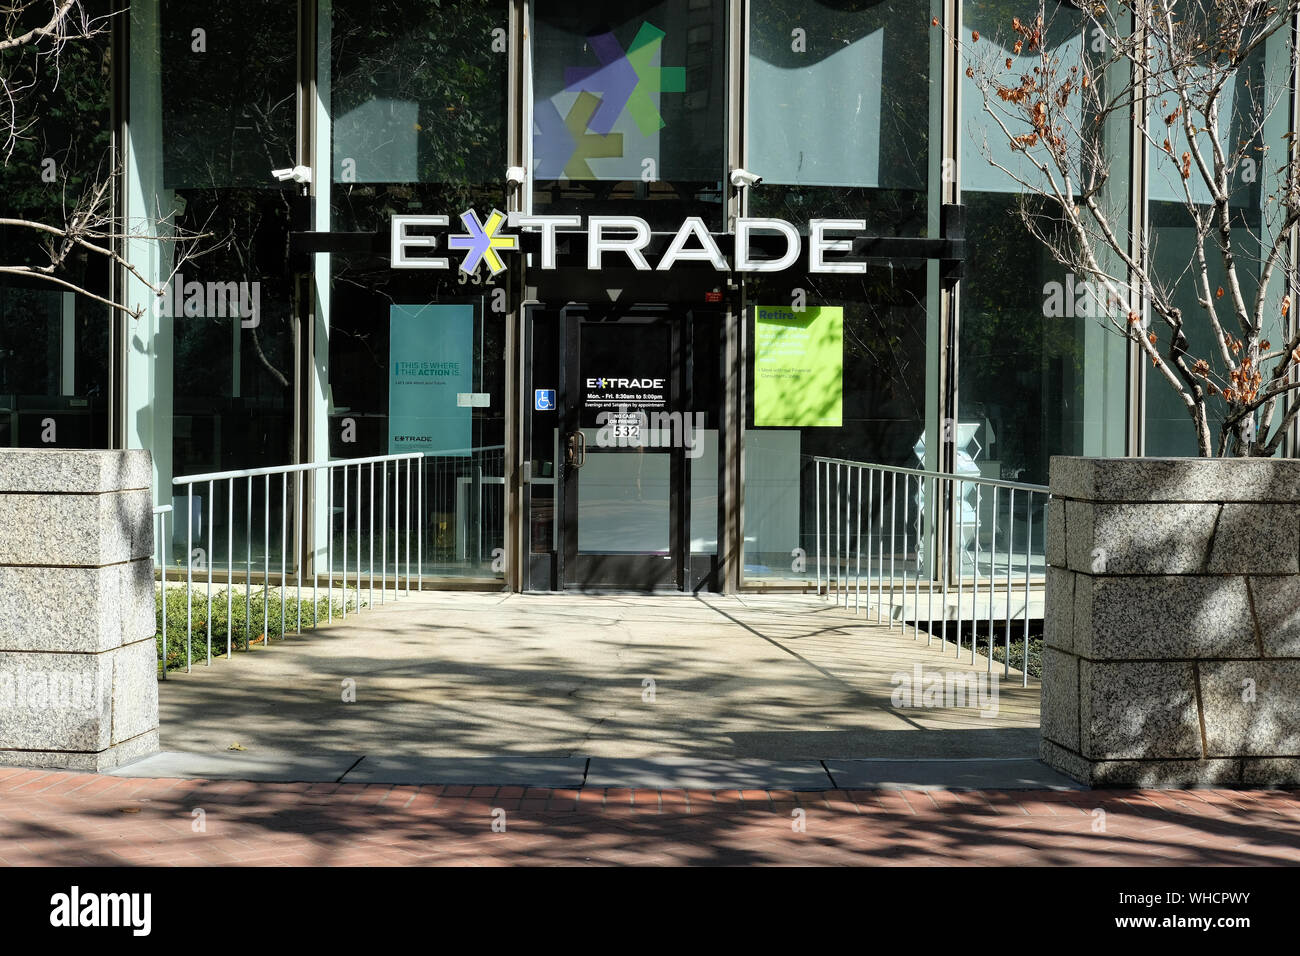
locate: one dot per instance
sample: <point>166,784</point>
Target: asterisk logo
<point>627,80</point>
<point>482,242</point>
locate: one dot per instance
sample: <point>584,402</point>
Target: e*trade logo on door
<point>482,242</point>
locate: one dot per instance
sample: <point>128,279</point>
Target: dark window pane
<point>229,93</point>
<point>54,342</point>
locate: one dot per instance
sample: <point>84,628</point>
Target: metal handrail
<point>291,469</point>
<point>898,469</point>
<point>306,512</point>
<point>939,533</point>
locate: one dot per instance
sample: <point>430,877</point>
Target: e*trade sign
<point>622,235</point>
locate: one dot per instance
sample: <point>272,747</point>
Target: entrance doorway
<point>623,476</point>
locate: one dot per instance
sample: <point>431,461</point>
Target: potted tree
<point>1173,609</point>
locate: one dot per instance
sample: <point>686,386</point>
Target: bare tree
<point>36,38</point>
<point>1189,77</point>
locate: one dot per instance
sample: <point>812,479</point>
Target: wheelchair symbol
<point>544,400</point>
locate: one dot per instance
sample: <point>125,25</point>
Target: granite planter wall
<point>1172,652</point>
<point>78,671</point>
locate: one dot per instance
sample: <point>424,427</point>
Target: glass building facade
<point>290,334</point>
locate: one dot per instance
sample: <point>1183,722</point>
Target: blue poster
<point>431,363</point>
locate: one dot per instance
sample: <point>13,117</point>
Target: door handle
<point>575,450</point>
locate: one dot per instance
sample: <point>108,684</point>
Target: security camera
<point>516,176</point>
<point>299,174</point>
<point>743,178</point>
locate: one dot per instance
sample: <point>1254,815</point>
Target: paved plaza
<point>782,677</point>
<point>491,729</point>
<point>83,820</point>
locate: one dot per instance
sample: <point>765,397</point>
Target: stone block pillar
<point>1172,652</point>
<point>78,660</point>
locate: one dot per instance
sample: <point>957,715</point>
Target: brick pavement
<point>72,819</point>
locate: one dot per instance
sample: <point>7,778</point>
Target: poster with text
<point>431,362</point>
<point>798,367</point>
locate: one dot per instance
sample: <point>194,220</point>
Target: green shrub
<point>1018,654</point>
<point>246,627</point>
<point>999,642</point>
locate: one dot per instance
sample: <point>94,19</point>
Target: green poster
<point>798,366</point>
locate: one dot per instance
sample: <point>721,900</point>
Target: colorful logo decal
<point>625,82</point>
<point>482,242</point>
<point>564,146</point>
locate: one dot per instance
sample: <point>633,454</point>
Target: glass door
<point>622,441</point>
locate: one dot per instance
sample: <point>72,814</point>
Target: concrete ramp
<point>446,677</point>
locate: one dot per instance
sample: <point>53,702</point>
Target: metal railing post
<point>884,608</point>
<point>300,519</point>
<point>1029,560</point>
<point>248,568</point>
<point>284,543</point>
<point>419,527</point>
<point>230,566</point>
<point>397,530</point>
<point>207,559</point>
<point>961,554</point>
<point>893,540</point>
<point>345,542</point>
<point>383,540</point>
<point>1011,551</point>
<point>871,511</point>
<point>160,513</point>
<point>931,530</point>
<point>189,576</point>
<point>408,528</point>
<point>329,544</point>
<point>993,563</point>
<point>907,526</point>
<point>371,559</point>
<point>358,539</point>
<point>266,560</point>
<point>857,574</point>
<point>817,520</point>
<point>944,562</point>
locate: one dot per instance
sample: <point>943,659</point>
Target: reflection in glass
<point>464,489</point>
<point>229,91</point>
<point>1042,371</point>
<point>883,413</point>
<point>839,112</point>
<point>1245,97</point>
<point>417,91</point>
<point>54,343</point>
<point>623,502</point>
<point>416,95</point>
<point>629,110</point>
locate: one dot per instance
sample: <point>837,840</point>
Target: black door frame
<point>622,572</point>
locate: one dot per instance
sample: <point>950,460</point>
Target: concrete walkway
<point>769,691</point>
